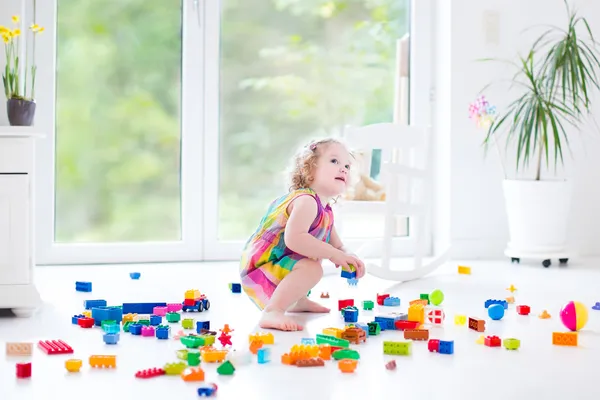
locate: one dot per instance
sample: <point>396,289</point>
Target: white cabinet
<point>17,155</point>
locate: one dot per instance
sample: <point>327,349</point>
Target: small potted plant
<point>554,81</point>
<point>18,78</point>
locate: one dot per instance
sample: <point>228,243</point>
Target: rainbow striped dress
<point>266,260</point>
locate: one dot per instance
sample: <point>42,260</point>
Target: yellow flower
<point>15,19</point>
<point>5,38</point>
<point>16,32</point>
<point>3,29</point>
<point>35,28</point>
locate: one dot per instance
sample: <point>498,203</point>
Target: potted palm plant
<point>554,80</point>
<point>18,77</point>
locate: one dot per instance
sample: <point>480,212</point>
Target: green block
<point>144,322</point>
<point>126,326</point>
<point>193,358</point>
<point>192,342</point>
<point>175,368</point>
<point>226,368</point>
<point>107,322</point>
<point>374,328</point>
<point>345,354</point>
<point>511,343</point>
<point>332,340</point>
<point>173,317</point>
<point>208,340</point>
<point>425,296</point>
<point>368,305</point>
<point>402,348</point>
<point>187,323</point>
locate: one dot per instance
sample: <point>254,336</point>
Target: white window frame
<point>421,23</point>
<point>190,248</point>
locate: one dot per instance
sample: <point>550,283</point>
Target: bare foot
<point>278,320</point>
<point>306,305</point>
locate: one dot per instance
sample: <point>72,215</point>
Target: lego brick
<point>19,349</point>
<point>477,324</point>
<point>564,338</point>
<point>489,302</point>
<point>51,347</point>
<point>141,308</point>
<point>416,334</point>
<point>402,348</point>
<point>446,346</point>
<point>492,341</point>
<point>512,343</point>
<point>235,287</point>
<point>89,304</point>
<point>391,302</point>
<point>83,286</point>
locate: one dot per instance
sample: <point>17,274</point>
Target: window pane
<point>291,71</point>
<point>118,121</point>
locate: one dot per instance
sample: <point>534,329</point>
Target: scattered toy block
<point>492,341</point>
<point>263,355</point>
<point>265,337</point>
<point>391,302</point>
<point>490,302</point>
<point>512,343</point>
<point>335,332</point>
<point>75,318</point>
<point>193,374</point>
<point>596,306</point>
<point>402,348</point>
<point>150,373</point>
<point>83,286</point>
<point>435,315</point>
<point>368,305</point>
<point>345,303</point>
<point>381,297</point>
<point>374,328</point>
<point>477,324</point>
<point>464,270</point>
<point>350,315</point>
<point>343,354</point>
<point>19,349</point>
<point>135,275</point>
<point>308,341</point>
<point>208,390</point>
<point>416,312</point>
<point>187,323</point>
<point>111,338</point>
<point>347,366</point>
<point>235,288</point>
<point>460,319</point>
<point>446,347</point>
<point>331,340</point>
<point>480,339</point>
<point>175,368</point>
<point>85,322</point>
<point>103,361</point>
<point>141,308</point>
<point>52,347</point>
<point>23,370</point>
<point>135,329</point>
<point>193,358</point>
<point>401,325</point>
<point>89,304</point>
<point>147,331</point>
<point>523,310</point>
<point>433,345</point>
<point>416,334</point>
<point>419,301</point>
<point>564,338</point>
<point>162,332</point>
<point>310,362</point>
<point>255,346</point>
<point>73,365</point>
<point>354,335</point>
<point>325,351</point>
<point>324,295</point>
<point>425,296</point>
<point>510,300</point>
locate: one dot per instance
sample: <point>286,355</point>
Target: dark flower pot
<point>20,112</point>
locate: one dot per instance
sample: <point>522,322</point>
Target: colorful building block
<point>83,286</point>
<point>460,319</point>
<point>162,332</point>
<point>391,302</point>
<point>446,347</point>
<point>52,347</point>
<point>368,305</point>
<point>135,275</point>
<point>23,370</point>
<point>564,338</point>
<point>263,355</point>
<point>374,328</point>
<point>492,341</point>
<point>111,338</point>
<point>512,343</point>
<point>464,270</point>
<point>235,288</point>
<point>73,365</point>
<point>350,314</point>
<point>89,304</point>
<point>402,348</point>
<point>490,302</point>
<point>477,324</point>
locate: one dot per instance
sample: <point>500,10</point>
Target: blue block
<point>162,333</point>
<point>362,326</point>
<point>446,346</point>
<point>155,320</point>
<point>75,318</point>
<point>89,304</point>
<point>135,329</point>
<point>503,303</point>
<point>307,341</point>
<point>206,390</point>
<point>111,338</point>
<point>236,288</point>
<point>386,323</point>
<point>141,308</point>
<point>135,275</point>
<point>350,315</point>
<point>112,328</point>
<point>83,286</point>
<point>348,274</point>
<point>391,301</point>
<point>264,355</point>
<point>100,314</point>
<point>202,325</point>
<point>352,281</point>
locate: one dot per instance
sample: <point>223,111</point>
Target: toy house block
<point>416,312</point>
<point>397,348</point>
<point>492,341</point>
<point>235,288</point>
<point>83,286</point>
<point>564,338</point>
<point>433,345</point>
<point>381,297</point>
<point>464,270</point>
<point>477,324</point>
<point>391,301</point>
<point>490,302</point>
<point>345,303</point>
<point>374,328</point>
<point>368,305</point>
<point>446,346</point>
<point>512,343</point>
<point>523,310</point>
<point>89,304</point>
<point>350,315</point>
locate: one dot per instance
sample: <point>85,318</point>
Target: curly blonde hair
<point>305,162</point>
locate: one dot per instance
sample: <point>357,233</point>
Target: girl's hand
<point>360,267</point>
<point>343,260</point>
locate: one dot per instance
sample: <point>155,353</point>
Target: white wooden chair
<point>406,156</point>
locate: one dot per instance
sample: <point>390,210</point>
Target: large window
<point>171,123</point>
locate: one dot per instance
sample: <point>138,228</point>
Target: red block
<point>492,341</point>
<point>402,324</point>
<point>381,297</point>
<point>433,345</point>
<point>523,310</point>
<point>189,302</point>
<point>54,347</point>
<point>150,373</point>
<point>345,303</point>
<point>85,322</point>
<point>24,370</point>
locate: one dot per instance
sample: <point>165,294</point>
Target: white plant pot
<point>538,217</point>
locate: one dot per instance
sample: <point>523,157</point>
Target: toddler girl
<point>281,261</point>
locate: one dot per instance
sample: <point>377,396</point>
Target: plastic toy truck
<point>195,301</point>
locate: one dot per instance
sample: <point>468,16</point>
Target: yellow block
<point>460,319</point>
<point>337,332</point>
<point>464,270</point>
<point>416,313</point>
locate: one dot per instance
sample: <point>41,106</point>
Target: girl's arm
<point>303,212</point>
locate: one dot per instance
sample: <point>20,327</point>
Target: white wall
<point>473,211</point>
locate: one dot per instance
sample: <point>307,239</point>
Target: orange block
<point>194,374</point>
<point>423,302</point>
<point>214,355</point>
<point>325,352</point>
<point>255,345</point>
<point>97,361</point>
<point>564,338</point>
<point>347,365</point>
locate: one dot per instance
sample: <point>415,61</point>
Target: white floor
<point>537,370</point>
